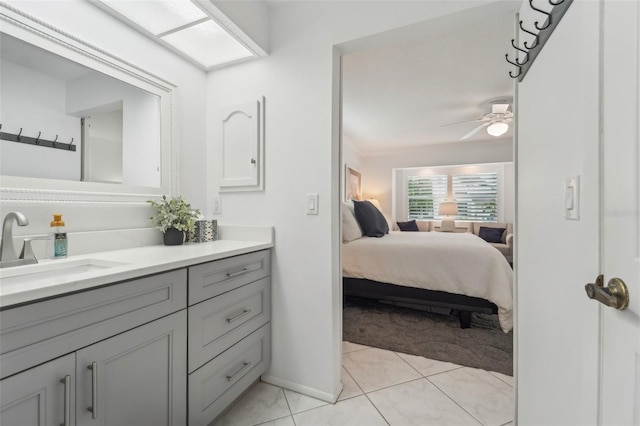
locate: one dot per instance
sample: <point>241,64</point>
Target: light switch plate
<point>312,204</point>
<point>217,205</point>
<point>572,198</point>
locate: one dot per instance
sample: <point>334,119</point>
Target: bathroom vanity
<point>146,336</point>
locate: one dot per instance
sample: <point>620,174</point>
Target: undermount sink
<point>54,269</point>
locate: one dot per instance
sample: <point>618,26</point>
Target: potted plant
<point>174,217</point>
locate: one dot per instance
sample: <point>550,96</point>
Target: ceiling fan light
<point>498,128</point>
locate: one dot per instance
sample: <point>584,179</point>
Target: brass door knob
<point>614,295</point>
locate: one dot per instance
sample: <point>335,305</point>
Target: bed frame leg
<point>465,319</point>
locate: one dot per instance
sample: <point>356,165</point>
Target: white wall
<point>377,170</point>
<point>558,137</point>
<point>95,26</point>
<point>35,102</point>
<point>300,81</point>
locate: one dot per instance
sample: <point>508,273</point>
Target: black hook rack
<point>530,52</point>
<point>12,137</point>
<point>549,19</point>
<point>536,38</point>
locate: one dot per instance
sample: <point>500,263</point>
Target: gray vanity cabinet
<point>41,396</point>
<point>117,354</point>
<point>135,378</point>
<point>229,331</point>
<point>133,335</point>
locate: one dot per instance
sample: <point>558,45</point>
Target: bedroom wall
<point>86,21</point>
<point>300,82</point>
<point>377,168</point>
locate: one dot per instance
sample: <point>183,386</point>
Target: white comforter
<point>455,263</point>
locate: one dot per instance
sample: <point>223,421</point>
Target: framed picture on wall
<point>352,184</point>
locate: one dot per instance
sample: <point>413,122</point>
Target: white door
<point>578,115</point>
<point>620,376</point>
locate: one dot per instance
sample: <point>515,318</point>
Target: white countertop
<point>121,265</point>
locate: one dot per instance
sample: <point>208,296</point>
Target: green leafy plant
<point>173,213</point>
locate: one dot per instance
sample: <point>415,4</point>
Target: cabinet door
<point>135,378</point>
<point>40,396</point>
<point>242,146</point>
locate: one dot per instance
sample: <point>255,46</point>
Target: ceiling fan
<point>496,122</point>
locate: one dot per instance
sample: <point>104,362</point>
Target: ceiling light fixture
<point>497,128</point>
<point>182,26</point>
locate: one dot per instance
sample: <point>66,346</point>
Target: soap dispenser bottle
<point>59,237</point>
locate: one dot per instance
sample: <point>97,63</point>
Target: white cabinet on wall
<point>241,129</point>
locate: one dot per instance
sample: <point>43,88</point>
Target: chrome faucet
<point>7,251</point>
<point>8,257</point>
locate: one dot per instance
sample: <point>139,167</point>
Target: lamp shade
<point>448,208</point>
<point>498,128</point>
<point>375,202</point>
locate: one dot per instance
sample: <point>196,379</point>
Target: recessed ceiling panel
<point>208,44</point>
<point>158,16</point>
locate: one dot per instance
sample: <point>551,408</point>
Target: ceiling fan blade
<point>474,131</point>
<point>499,108</point>
<point>463,122</point>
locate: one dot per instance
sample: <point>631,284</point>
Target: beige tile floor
<point>386,388</point>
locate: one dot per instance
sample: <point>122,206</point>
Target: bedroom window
<point>425,194</point>
<point>477,196</point>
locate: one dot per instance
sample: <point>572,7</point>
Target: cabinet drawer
<point>35,333</point>
<point>211,279</point>
<point>219,382</point>
<point>218,323</point>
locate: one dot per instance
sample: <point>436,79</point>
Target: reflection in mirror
<point>115,126</point>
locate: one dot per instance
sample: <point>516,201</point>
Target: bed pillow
<point>411,226</point>
<point>350,228</point>
<point>371,220</point>
<point>491,235</point>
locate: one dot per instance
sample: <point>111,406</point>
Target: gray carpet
<point>427,334</point>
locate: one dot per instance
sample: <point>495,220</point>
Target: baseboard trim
<point>305,390</point>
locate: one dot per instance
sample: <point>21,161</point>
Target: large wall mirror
<point>78,121</point>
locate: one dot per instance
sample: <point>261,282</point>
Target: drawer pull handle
<point>67,400</point>
<point>94,390</point>
<point>240,315</point>
<point>237,274</point>
<point>244,365</point>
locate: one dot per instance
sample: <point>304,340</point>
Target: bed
<point>458,271</point>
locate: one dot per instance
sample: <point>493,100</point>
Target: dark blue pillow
<point>371,220</point>
<point>491,235</point>
<point>408,226</point>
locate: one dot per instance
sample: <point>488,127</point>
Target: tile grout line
<point>499,378</point>
<point>455,402</point>
<point>376,408</point>
<point>409,364</point>
<point>288,406</point>
<point>434,374</point>
<point>354,381</point>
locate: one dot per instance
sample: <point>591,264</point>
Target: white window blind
<point>477,196</point>
<point>425,194</point>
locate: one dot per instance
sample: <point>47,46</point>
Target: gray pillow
<point>371,220</point>
<point>408,226</point>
